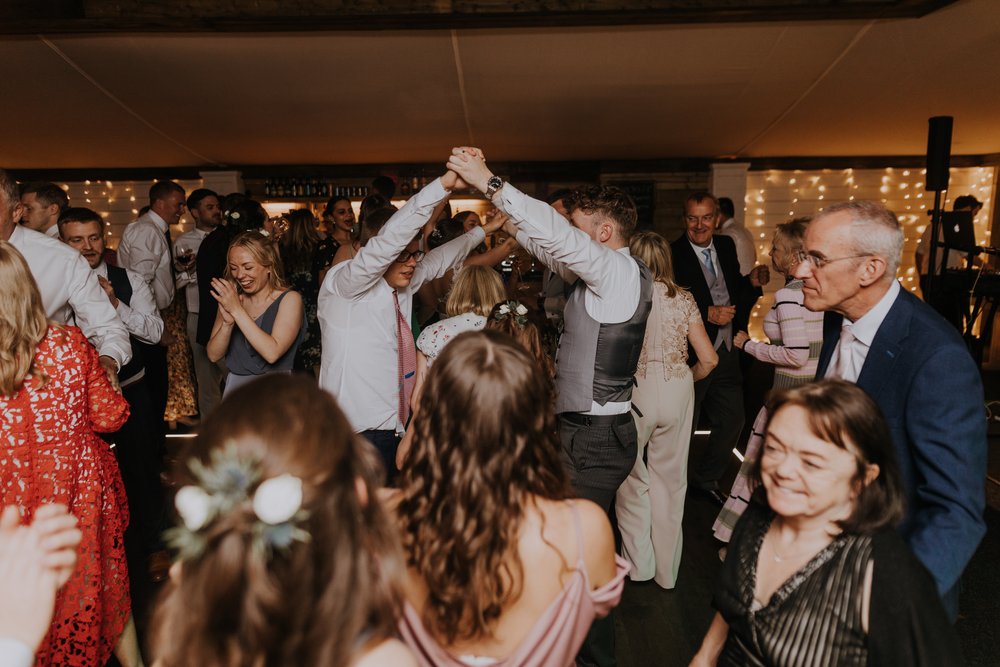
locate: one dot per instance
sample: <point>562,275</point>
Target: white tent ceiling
<point>831,88</point>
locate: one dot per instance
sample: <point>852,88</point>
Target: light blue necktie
<point>709,264</point>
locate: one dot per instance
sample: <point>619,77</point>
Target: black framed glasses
<point>406,256</point>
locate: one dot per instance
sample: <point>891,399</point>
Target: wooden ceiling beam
<point>129,16</point>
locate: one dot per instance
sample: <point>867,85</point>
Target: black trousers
<point>720,396</point>
<point>386,442</point>
<point>598,452</point>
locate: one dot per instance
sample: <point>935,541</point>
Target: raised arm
<point>370,263</point>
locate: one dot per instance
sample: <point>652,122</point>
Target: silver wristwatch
<point>492,186</point>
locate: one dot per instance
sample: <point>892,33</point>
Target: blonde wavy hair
<point>654,251</point>
<point>265,252</point>
<point>477,289</point>
<point>23,323</point>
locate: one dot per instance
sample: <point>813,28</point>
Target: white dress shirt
<point>144,249</point>
<point>863,333</point>
<point>700,254</point>
<point>140,316</point>
<point>189,279</point>
<point>358,318</point>
<point>71,294</point>
<point>53,231</point>
<point>611,276</point>
<point>746,252</point>
<point>15,654</point>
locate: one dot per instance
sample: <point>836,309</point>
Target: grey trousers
<point>598,452</point>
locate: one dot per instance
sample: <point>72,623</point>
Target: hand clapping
<point>225,293</point>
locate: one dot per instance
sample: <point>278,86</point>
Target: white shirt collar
<point>865,328</point>
<point>698,250</point>
<point>160,223</point>
<point>727,222</point>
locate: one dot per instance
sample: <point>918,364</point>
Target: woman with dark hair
<point>260,323</point>
<point>54,397</point>
<point>339,222</point>
<point>503,566</point>
<point>817,574</point>
<point>285,557</point>
<point>795,336</point>
<point>305,258</point>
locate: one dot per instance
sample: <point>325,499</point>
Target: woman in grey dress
<point>260,323</point>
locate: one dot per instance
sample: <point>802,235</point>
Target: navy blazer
<point>688,274</point>
<point>922,376</point>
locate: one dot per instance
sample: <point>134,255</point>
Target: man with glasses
<point>369,357</point>
<point>918,370</point>
<point>707,264</point>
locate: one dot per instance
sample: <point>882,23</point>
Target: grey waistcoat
<point>596,362</point>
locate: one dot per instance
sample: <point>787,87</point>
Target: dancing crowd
<point>394,465</point>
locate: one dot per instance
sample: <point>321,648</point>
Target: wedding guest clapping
<point>260,322</point>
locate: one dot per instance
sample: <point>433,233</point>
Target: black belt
<point>581,419</point>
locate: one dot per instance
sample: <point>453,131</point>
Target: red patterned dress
<point>49,453</point>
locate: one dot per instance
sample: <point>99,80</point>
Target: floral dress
<point>433,339</point>
<point>50,453</point>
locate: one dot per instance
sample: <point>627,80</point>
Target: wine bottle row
<point>304,187</point>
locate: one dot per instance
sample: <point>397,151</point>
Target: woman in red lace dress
<point>54,395</point>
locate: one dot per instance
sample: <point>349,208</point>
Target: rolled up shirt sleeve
<point>140,316</point>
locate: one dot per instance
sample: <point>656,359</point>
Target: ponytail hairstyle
<point>319,599</point>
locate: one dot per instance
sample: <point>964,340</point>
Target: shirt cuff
<point>13,653</point>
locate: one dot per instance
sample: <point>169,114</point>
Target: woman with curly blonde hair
<point>484,495</point>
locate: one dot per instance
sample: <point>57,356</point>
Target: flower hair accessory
<point>514,309</point>
<point>225,484</point>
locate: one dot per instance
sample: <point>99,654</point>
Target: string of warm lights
<point>119,203</point>
<point>774,197</point>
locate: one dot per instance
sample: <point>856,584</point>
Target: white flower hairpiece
<point>514,309</point>
<point>264,232</point>
<point>235,215</point>
<point>224,484</point>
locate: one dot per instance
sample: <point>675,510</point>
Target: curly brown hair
<point>321,602</point>
<point>484,447</point>
<point>609,201</point>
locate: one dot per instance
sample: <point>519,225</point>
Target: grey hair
<point>9,190</point>
<point>875,230</point>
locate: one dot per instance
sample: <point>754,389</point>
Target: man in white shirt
<point>919,371</point>
<point>43,202</point>
<point>138,444</point>
<point>362,332</point>
<point>746,251</point>
<point>145,248</point>
<point>70,292</point>
<point>203,205</point>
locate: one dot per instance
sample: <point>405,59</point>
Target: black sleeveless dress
<point>814,618</point>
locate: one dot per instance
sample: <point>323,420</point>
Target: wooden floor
<point>664,628</point>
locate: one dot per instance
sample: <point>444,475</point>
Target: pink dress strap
<point>555,637</point>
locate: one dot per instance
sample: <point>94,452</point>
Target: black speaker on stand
<point>938,164</point>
